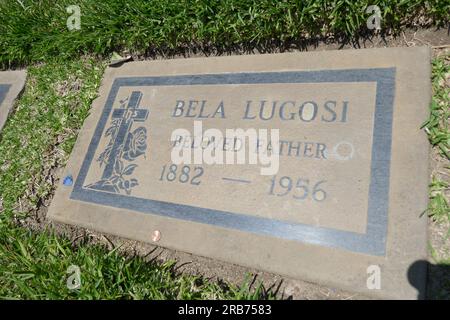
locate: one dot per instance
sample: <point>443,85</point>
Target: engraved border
<point>373,242</point>
<point>4,89</point>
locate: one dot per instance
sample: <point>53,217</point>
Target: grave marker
<point>330,186</point>
<point>11,84</point>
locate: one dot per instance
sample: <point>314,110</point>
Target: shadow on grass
<point>363,39</point>
<point>431,280</point>
<point>267,46</point>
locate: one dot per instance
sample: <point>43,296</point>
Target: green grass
<point>37,138</point>
<point>40,134</point>
<point>438,206</point>
<point>35,266</point>
<point>438,131</point>
<point>34,31</point>
<point>437,127</point>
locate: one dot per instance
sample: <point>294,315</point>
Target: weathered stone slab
<point>11,84</point>
<point>342,206</point>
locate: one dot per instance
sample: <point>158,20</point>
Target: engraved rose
<point>136,144</point>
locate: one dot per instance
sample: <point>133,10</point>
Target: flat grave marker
<point>332,178</point>
<point>11,84</point>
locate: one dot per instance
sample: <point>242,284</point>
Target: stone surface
<point>11,84</point>
<point>345,203</point>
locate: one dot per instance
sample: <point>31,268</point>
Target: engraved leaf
<point>129,169</point>
<point>110,131</point>
<point>103,157</point>
<point>118,166</point>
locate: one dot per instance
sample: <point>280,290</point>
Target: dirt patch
<point>222,271</point>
